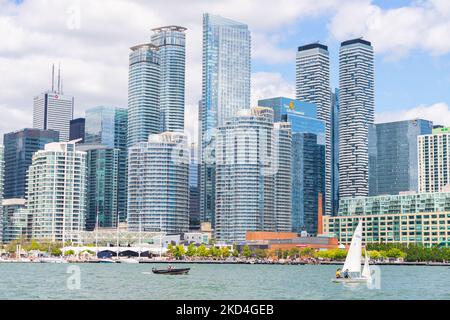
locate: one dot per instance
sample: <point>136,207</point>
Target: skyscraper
<point>15,220</point>
<point>194,189</point>
<point>313,85</point>
<point>19,149</point>
<point>225,90</point>
<point>1,191</point>
<point>335,154</point>
<point>170,41</point>
<point>107,126</point>
<point>143,93</point>
<point>308,159</point>
<point>102,185</point>
<point>433,164</point>
<point>251,166</point>
<point>356,114</point>
<point>52,110</point>
<point>158,184</point>
<point>56,198</point>
<point>77,129</point>
<point>393,168</point>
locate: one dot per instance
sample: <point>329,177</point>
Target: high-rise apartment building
<point>107,126</point>
<point>251,166</point>
<point>143,93</point>
<point>225,90</point>
<point>15,224</point>
<point>393,166</point>
<point>56,198</point>
<point>158,184</point>
<point>356,114</point>
<point>101,186</point>
<point>335,153</point>
<point>1,190</point>
<point>194,189</point>
<point>171,44</point>
<point>308,159</point>
<point>433,161</point>
<point>19,149</point>
<point>313,85</point>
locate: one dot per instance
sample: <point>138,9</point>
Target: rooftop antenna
<point>53,77</point>
<point>59,78</point>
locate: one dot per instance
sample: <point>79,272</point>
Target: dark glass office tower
<point>19,149</point>
<point>77,129</point>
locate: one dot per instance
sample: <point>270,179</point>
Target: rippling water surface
<point>135,281</point>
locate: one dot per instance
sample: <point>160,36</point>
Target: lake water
<point>135,281</point>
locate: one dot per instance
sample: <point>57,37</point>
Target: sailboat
<point>352,264</point>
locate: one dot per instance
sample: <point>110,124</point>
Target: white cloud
<point>270,85</point>
<point>422,25</point>
<point>439,113</point>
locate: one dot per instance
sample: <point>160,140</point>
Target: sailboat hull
<point>348,280</point>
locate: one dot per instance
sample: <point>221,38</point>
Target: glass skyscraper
<point>194,189</point>
<point>56,194</point>
<point>1,190</point>
<point>108,126</point>
<point>143,93</point>
<point>253,168</point>
<point>171,43</point>
<point>335,154</point>
<point>102,185</point>
<point>77,129</point>
<point>393,156</point>
<point>19,149</point>
<point>308,159</point>
<point>225,90</point>
<point>313,85</point>
<point>16,220</point>
<point>158,184</point>
<point>356,114</point>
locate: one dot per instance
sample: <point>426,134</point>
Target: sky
<point>91,41</point>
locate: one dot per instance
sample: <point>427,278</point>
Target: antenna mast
<point>53,77</point>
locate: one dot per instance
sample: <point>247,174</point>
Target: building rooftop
<point>354,41</point>
<point>144,45</point>
<point>169,28</point>
<point>313,46</point>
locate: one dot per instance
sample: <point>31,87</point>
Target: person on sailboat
<point>345,273</point>
<point>338,273</point>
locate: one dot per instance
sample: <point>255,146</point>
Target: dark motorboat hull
<point>172,271</point>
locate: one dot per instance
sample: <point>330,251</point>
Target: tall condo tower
<point>253,175</point>
<point>52,110</point>
<point>56,193</point>
<point>171,42</point>
<point>312,83</point>
<point>158,184</point>
<point>225,90</point>
<point>143,93</point>
<point>356,114</point>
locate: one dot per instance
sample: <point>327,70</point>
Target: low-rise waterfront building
<point>410,218</point>
<point>15,220</point>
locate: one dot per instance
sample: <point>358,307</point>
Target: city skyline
<point>273,59</point>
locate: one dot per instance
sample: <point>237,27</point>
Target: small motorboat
<point>171,270</point>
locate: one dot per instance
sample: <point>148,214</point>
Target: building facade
<point>414,218</point>
<point>19,149</point>
<point>102,181</point>
<point>16,220</point>
<point>393,156</point>
<point>308,159</point>
<point>356,114</point>
<point>433,160</point>
<point>158,184</point>
<point>143,93</point>
<point>108,126</point>
<point>250,167</point>
<point>335,154</point>
<point>313,85</point>
<point>2,166</point>
<point>77,129</point>
<point>53,111</point>
<point>171,43</point>
<point>194,189</point>
<point>225,90</point>
<point>56,197</point>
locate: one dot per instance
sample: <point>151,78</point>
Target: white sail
<point>353,260</point>
<point>366,270</point>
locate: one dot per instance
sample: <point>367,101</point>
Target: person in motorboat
<point>169,267</point>
<point>338,273</point>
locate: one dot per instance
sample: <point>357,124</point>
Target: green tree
<point>225,252</point>
<point>202,251</point>
<point>56,252</point>
<point>191,250</point>
<point>69,253</point>
<point>171,249</point>
<point>246,252</point>
<point>260,253</point>
<point>179,251</point>
<point>235,253</point>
